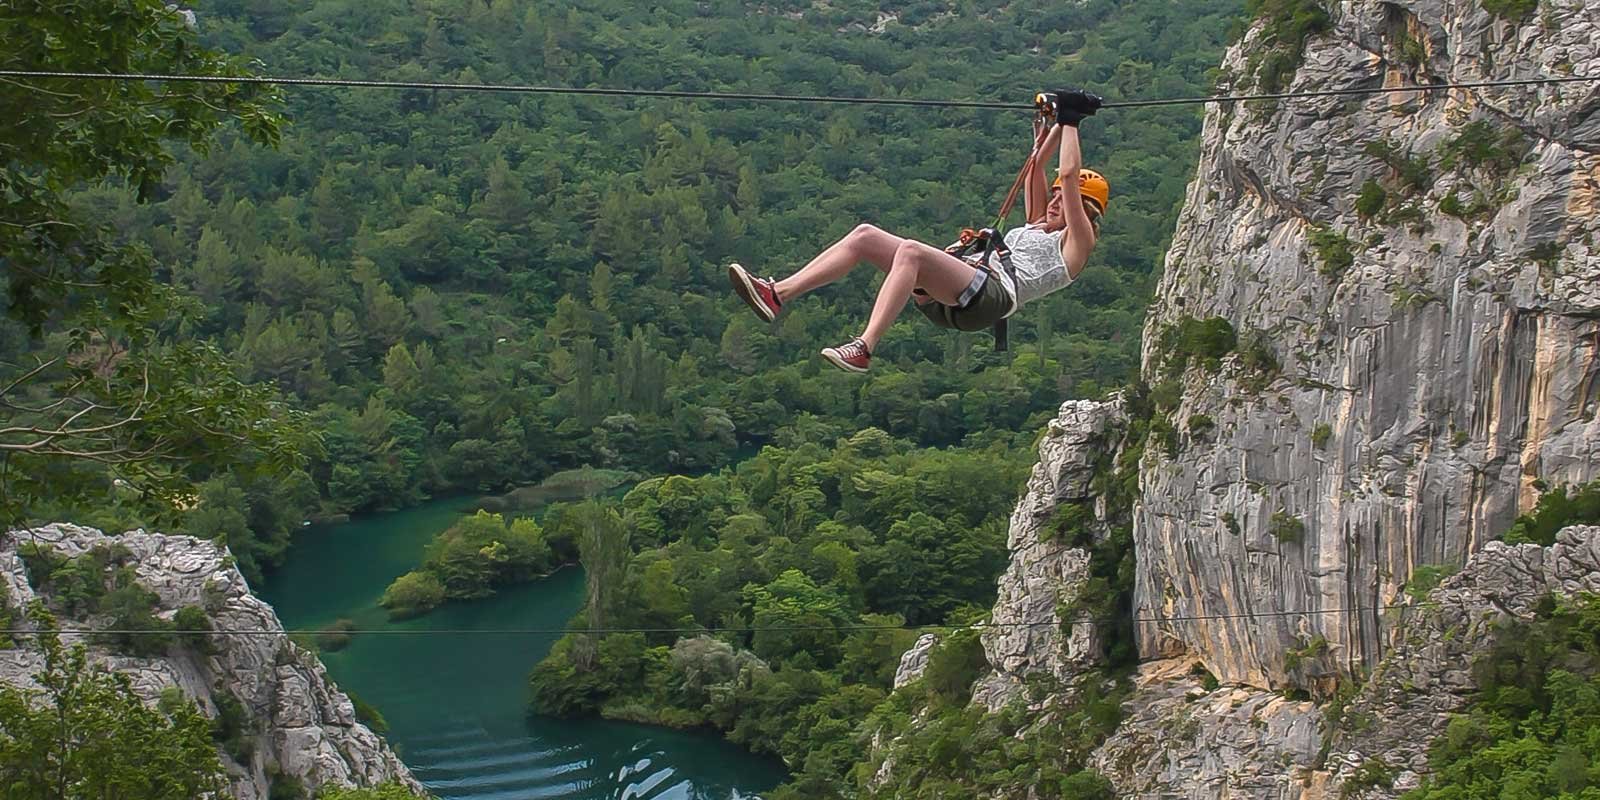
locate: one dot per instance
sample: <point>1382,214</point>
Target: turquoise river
<point>456,703</point>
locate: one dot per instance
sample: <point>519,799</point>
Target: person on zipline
<point>1045,255</point>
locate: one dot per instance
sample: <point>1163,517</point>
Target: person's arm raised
<point>1036,191</point>
<point>1071,108</point>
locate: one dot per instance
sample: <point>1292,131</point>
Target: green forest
<point>467,292</point>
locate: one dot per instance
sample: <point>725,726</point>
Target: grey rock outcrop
<point>1426,384</point>
<point>304,726</point>
<point>1428,676</point>
<point>914,662</point>
<point>1046,573</point>
<point>1180,741</point>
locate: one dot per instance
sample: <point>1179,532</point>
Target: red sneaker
<point>852,357</point>
<point>760,293</point>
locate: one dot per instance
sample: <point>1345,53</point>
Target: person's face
<point>1055,215</point>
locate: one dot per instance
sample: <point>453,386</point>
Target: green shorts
<point>989,305</point>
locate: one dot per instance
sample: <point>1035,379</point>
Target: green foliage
<point>1451,204</point>
<point>1286,25</point>
<point>104,402</point>
<point>133,627</point>
<point>960,751</point>
<point>1296,657</point>
<point>1372,199</point>
<point>254,517</point>
<point>193,626</point>
<point>953,666</point>
<point>471,291</point>
<point>232,729</point>
<point>1191,340</point>
<point>1374,773</point>
<point>469,561</point>
<point>1287,528</point>
<point>1545,255</point>
<point>1555,510</point>
<point>84,733</point>
<point>804,548</point>
<point>1200,424</point>
<point>1072,523</point>
<point>1427,577</point>
<point>1412,51</point>
<point>1408,297</point>
<point>1414,173</point>
<point>74,585</point>
<point>1511,10</point>
<point>1479,145</point>
<point>284,787</point>
<point>1321,434</point>
<point>1531,728</point>
<point>1231,522</point>
<point>98,582</point>
<point>1334,250</point>
<point>412,594</point>
<point>369,715</point>
<point>1259,362</point>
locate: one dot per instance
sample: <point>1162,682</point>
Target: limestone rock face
<point>1427,676</point>
<point>1426,384</point>
<point>1180,741</point>
<point>1045,572</point>
<point>305,726</point>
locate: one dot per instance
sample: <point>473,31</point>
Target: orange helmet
<point>1093,186</point>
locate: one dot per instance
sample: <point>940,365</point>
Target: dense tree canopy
<point>101,401</point>
<point>818,555</point>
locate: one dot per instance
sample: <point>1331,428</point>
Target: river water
<point>456,704</point>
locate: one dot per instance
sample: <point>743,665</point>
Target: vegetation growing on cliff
<point>1286,25</point>
<point>84,733</point>
<point>1556,509</point>
<point>104,584</point>
<point>1533,728</point>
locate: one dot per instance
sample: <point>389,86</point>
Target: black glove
<point>1072,105</point>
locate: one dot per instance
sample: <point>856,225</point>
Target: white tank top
<point>1036,260</point>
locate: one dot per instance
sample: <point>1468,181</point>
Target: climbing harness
<point>985,248</point>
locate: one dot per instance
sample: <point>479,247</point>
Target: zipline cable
<point>753,96</point>
<point>696,630</point>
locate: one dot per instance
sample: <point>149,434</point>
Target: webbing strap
<point>1016,189</point>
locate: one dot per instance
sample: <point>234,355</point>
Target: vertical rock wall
<point>1424,387</point>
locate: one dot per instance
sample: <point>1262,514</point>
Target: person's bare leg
<point>866,243</point>
<point>943,276</point>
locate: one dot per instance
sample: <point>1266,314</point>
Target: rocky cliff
<point>297,722</point>
<point>1376,342</point>
<point>1422,269</point>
